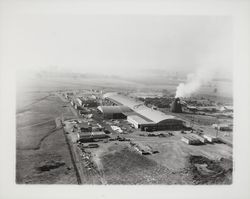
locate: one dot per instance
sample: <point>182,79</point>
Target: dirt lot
<point>42,155</point>
<point>120,163</point>
<point>206,171</point>
<point>128,167</point>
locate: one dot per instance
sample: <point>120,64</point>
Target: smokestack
<point>176,106</point>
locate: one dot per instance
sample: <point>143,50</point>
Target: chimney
<point>176,106</point>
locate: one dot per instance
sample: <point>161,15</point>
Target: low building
<point>192,108</point>
<point>190,139</point>
<point>97,127</point>
<point>93,97</point>
<point>83,111</point>
<point>79,108</point>
<point>223,127</point>
<point>90,103</point>
<point>211,138</point>
<point>143,149</point>
<point>90,136</point>
<point>202,139</point>
<point>228,108</point>
<point>79,101</point>
<point>83,127</point>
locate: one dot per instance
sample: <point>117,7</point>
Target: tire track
<point>36,124</point>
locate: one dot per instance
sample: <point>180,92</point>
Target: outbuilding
<point>90,136</point>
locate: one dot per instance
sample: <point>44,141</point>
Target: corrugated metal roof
<point>125,100</point>
<point>137,106</point>
<point>154,115</point>
<point>140,120</point>
<point>114,109</point>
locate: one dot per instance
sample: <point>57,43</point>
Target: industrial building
<point>114,112</point>
<point>90,136</point>
<point>176,106</point>
<point>89,127</point>
<point>89,132</point>
<point>83,127</point>
<point>143,117</point>
<point>79,101</point>
<point>139,122</point>
<point>86,101</point>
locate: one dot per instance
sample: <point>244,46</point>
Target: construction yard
<point>122,164</point>
<point>129,156</point>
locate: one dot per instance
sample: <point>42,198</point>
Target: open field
<point>42,154</point>
<point>51,164</point>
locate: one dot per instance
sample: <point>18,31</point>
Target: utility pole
<point>62,117</point>
<point>217,129</point>
<point>192,123</point>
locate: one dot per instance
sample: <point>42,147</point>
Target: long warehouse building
<point>114,112</point>
<point>141,116</point>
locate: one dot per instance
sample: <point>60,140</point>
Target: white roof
<point>139,119</point>
<point>114,109</point>
<point>125,100</point>
<point>137,106</point>
<point>109,94</point>
<point>228,107</point>
<point>154,115</point>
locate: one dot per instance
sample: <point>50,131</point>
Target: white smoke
<point>195,81</point>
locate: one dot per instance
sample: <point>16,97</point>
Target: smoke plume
<point>194,82</point>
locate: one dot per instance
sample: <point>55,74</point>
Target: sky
<point>116,44</point>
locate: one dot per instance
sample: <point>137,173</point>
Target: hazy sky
<point>117,44</point>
